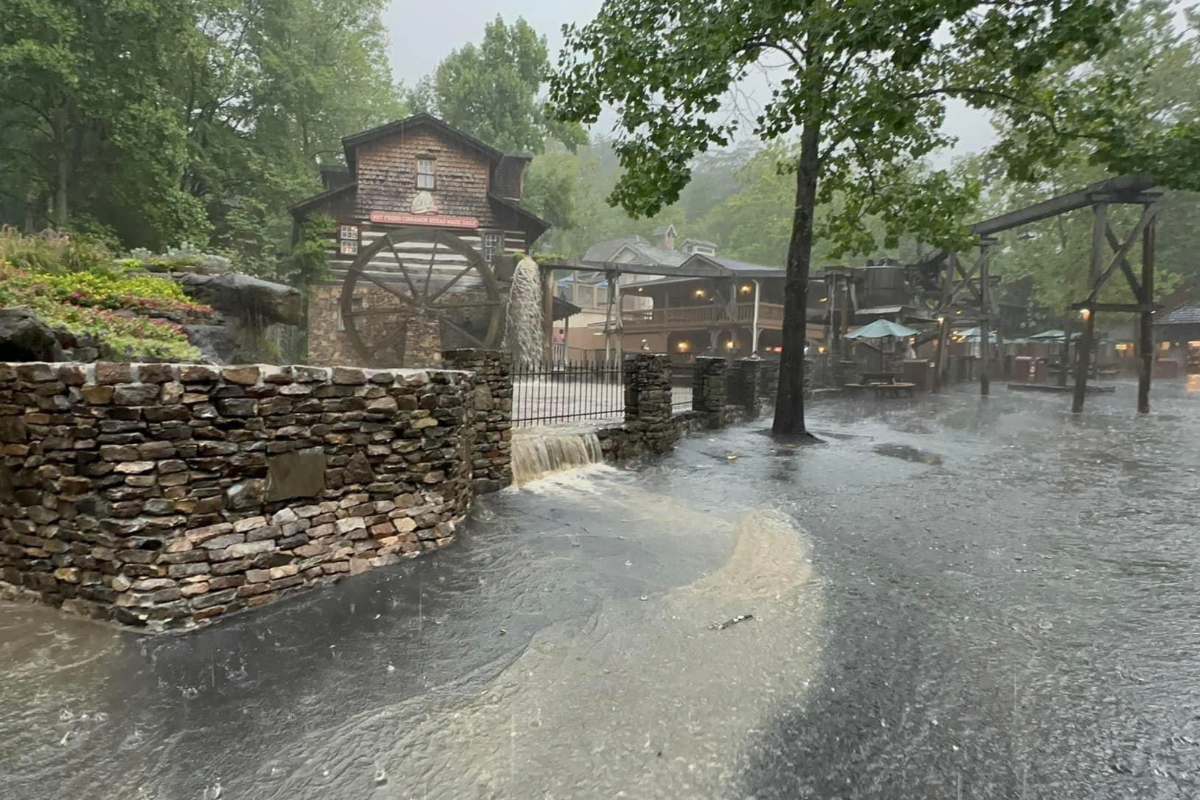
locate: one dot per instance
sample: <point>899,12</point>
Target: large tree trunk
<point>789,402</point>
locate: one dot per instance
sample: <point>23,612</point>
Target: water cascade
<point>523,328</point>
<point>536,454</point>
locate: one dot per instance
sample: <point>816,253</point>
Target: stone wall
<point>401,339</point>
<point>492,399</point>
<point>166,495</point>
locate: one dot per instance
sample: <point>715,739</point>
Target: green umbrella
<point>1053,335</point>
<point>879,329</point>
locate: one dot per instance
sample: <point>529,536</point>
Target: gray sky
<point>423,32</point>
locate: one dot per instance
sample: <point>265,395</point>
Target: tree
<point>84,110</point>
<point>492,91</point>
<point>866,83</point>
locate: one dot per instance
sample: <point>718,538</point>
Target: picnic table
<point>884,384</point>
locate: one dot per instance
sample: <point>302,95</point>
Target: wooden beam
<point>1146,322</point>
<point>1122,307</point>
<point>985,327</point>
<point>1124,189</point>
<point>1083,351</point>
<point>1148,213</point>
<point>939,372</point>
<point>1130,278</point>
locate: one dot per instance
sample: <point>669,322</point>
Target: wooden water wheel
<point>419,279</point>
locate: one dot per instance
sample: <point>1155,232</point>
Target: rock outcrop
<point>25,337</point>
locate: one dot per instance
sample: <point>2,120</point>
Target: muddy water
<point>950,598</point>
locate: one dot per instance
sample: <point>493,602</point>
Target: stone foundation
<point>166,495</point>
<point>492,399</point>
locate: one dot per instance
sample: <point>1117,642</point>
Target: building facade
<point>427,224</point>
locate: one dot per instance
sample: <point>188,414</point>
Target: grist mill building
<point>427,221</point>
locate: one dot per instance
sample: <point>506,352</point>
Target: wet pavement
<point>952,597</point>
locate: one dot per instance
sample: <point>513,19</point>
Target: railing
<point>564,391</point>
<point>682,382</point>
<point>701,316</point>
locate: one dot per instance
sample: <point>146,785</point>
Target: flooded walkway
<point>952,597</point>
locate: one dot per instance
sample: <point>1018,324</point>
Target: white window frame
<point>349,247</point>
<point>426,174</point>
<point>496,246</point>
<point>349,232</point>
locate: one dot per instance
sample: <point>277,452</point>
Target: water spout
<point>537,454</point>
<point>523,331</point>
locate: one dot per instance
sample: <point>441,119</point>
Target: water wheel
<point>419,282</point>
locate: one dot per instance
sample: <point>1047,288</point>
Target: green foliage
<point>491,90</point>
<point>54,253</point>
<point>308,262</point>
<point>168,121</point>
<point>106,308</point>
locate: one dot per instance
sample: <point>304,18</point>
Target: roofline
<point>524,212</point>
<point>353,141</point>
<point>305,204</point>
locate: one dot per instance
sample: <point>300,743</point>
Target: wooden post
<point>1083,354</point>
<point>1146,338</point>
<point>547,317</point>
<point>1068,329</point>
<point>943,360</point>
<point>985,320</point>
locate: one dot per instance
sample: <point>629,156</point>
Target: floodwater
<point>952,597</point>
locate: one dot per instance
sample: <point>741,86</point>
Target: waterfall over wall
<point>537,454</point>
<point>523,328</point>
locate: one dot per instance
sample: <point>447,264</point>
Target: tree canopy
<point>493,90</point>
<point>163,121</point>
<point>867,85</point>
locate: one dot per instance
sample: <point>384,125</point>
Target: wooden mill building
<point>427,220</point>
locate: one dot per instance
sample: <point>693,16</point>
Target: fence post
<point>492,401</point>
<point>648,400</point>
<point>710,387</point>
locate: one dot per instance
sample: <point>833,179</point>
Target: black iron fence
<point>563,391</point>
<point>682,380</point>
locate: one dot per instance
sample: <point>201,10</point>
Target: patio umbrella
<point>879,329</point>
<point>1052,335</point>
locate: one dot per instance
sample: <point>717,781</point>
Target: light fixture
<point>959,312</point>
<point>823,300</point>
<point>699,293</point>
<point>683,347</point>
<point>729,345</point>
<point>746,289</point>
<point>821,349</point>
<point>941,320</point>
<point>1085,312</point>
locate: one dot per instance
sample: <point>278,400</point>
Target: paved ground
<point>951,598</point>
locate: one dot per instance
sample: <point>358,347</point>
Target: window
<point>425,177</point>
<point>493,244</point>
<point>349,232</point>
<point>356,304</point>
<point>348,238</point>
<point>349,247</point>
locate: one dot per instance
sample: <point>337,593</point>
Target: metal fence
<point>682,376</point>
<point>567,390</point>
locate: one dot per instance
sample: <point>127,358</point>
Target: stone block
<point>298,474</point>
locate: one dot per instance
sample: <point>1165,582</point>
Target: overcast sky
<point>423,32</point>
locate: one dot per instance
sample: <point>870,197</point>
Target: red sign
<point>433,220</point>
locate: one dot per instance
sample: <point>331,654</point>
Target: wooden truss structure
<point>975,284</point>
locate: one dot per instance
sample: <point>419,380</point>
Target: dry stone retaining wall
<point>166,495</point>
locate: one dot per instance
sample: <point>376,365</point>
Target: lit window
<point>425,178</point>
<point>349,232</point>
<point>356,304</point>
<point>349,247</point>
<point>493,244</point>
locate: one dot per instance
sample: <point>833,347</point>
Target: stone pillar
<point>648,401</point>
<point>491,450</point>
<point>710,388</point>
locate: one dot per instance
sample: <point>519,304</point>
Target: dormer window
<point>425,178</point>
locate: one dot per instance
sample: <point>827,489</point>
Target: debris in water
<point>380,776</point>
<point>503,631</point>
<point>731,458</point>
<point>391,668</point>
<point>720,626</point>
<point>645,597</point>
